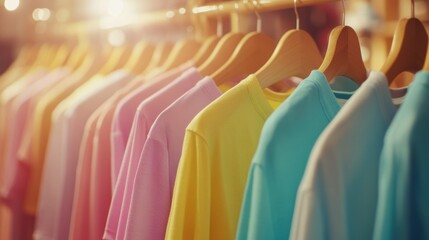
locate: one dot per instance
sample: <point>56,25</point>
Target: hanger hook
<point>296,14</point>
<point>344,11</point>
<point>412,8</point>
<point>258,16</point>
<point>219,26</point>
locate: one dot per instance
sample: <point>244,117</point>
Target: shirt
<point>156,171</point>
<point>44,107</point>
<point>402,211</point>
<point>69,118</point>
<point>280,159</point>
<point>217,150</point>
<point>337,196</point>
<point>93,189</point>
<point>80,221</point>
<point>6,99</point>
<point>146,114</point>
<point>15,173</point>
<point>121,127</point>
<point>124,113</point>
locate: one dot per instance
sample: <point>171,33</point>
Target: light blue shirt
<point>337,196</point>
<point>403,204</point>
<point>279,162</point>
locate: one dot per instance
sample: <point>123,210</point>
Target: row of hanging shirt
<point>188,151</point>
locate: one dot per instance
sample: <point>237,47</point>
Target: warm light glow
<point>62,15</point>
<point>41,14</point>
<point>115,7</point>
<point>11,5</point>
<point>116,38</point>
<point>182,11</point>
<point>204,9</point>
<point>170,14</point>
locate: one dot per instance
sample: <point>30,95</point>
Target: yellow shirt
<point>218,148</point>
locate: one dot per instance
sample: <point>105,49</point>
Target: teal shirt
<point>403,203</point>
<point>281,157</point>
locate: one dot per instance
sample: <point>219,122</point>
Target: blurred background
<point>117,22</point>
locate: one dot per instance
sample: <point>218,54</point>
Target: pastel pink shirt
<point>80,222</point>
<point>83,219</point>
<point>100,181</point>
<point>15,173</point>
<point>59,173</point>
<point>120,130</point>
<point>157,166</point>
<point>124,112</point>
<point>146,114</point>
<point>6,98</point>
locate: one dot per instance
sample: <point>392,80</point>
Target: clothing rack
<point>225,8</point>
<point>182,15</point>
<point>162,17</point>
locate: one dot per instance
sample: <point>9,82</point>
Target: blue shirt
<point>279,162</point>
<point>403,204</point>
<point>337,196</point>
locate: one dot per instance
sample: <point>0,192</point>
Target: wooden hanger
<point>165,51</point>
<point>30,55</point>
<point>182,52</point>
<point>140,57</point>
<point>61,56</point>
<point>343,56</point>
<point>44,56</point>
<point>27,54</point>
<point>116,60</point>
<point>296,55</point>
<point>205,50</point>
<point>160,54</point>
<point>408,50</point>
<point>221,53</point>
<point>78,54</point>
<point>250,54</point>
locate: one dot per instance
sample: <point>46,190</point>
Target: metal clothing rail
<point>225,8</point>
<point>183,15</point>
<point>176,16</point>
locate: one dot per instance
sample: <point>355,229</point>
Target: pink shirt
<point>6,98</point>
<point>121,127</point>
<point>18,116</point>
<point>100,177</point>
<point>126,109</point>
<point>16,174</point>
<point>80,223</point>
<point>58,181</point>
<point>156,172</point>
<point>146,114</point>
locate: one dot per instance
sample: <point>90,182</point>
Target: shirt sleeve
<point>385,216</point>
<point>190,211</point>
<point>151,196</point>
<point>308,218</point>
<point>256,215</point>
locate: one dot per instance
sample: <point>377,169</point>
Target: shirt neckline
<point>378,82</point>
<point>328,100</point>
<point>259,96</point>
<point>209,87</point>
